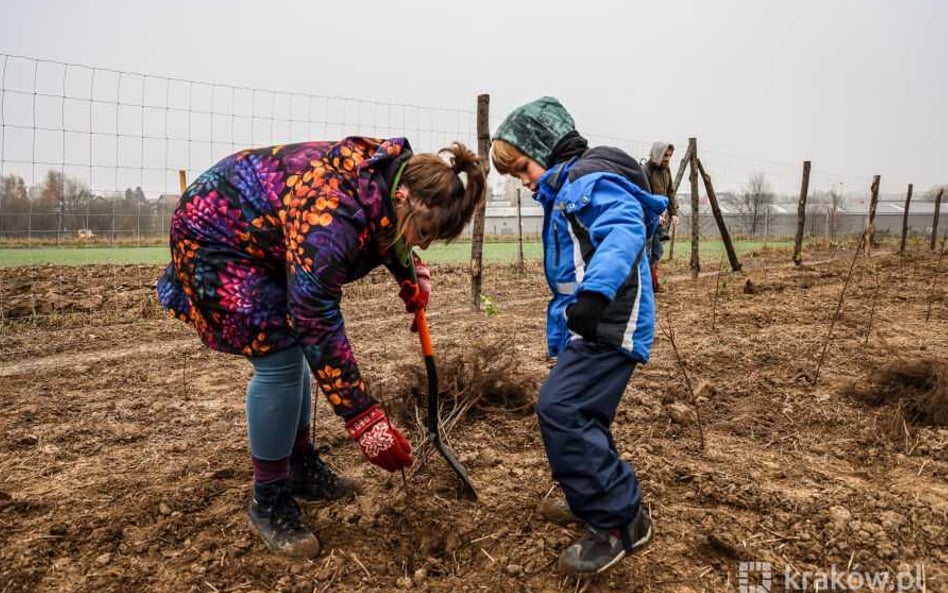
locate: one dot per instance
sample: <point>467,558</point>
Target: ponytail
<point>452,189</point>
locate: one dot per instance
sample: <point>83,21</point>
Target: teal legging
<point>279,402</point>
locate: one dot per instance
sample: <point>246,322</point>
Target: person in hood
<point>598,215</point>
<point>261,245</point>
<point>659,176</point>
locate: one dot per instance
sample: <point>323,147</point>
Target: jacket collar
<point>378,176</point>
<point>552,181</point>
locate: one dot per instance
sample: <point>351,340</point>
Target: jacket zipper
<point>556,247</point>
<point>556,239</point>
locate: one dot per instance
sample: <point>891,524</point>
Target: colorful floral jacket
<point>263,242</point>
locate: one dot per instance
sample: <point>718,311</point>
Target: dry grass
<point>918,387</point>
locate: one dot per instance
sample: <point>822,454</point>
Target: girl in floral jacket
<point>261,245</point>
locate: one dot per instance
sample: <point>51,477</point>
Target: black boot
<point>276,517</point>
<point>311,479</point>
<point>601,548</point>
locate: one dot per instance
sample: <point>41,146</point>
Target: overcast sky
<point>858,87</point>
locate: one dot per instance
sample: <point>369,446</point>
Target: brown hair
<point>507,158</point>
<point>437,185</point>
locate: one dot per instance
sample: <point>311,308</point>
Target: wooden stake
<point>839,307</point>
<point>719,218</point>
<point>681,167</point>
<point>941,192</point>
<point>477,240</point>
<point>519,231</point>
<point>714,301</point>
<point>905,219</point>
<point>873,203</point>
<point>681,171</point>
<point>671,244</point>
<point>872,309</point>
<point>801,215</point>
<point>931,288</point>
<point>695,229</point>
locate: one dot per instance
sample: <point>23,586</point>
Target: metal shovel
<point>433,422</point>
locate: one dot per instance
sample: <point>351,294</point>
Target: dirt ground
<point>124,464</point>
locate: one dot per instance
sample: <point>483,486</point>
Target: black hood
<point>607,159</point>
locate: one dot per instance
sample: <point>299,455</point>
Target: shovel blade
<point>433,422</point>
<point>467,489</point>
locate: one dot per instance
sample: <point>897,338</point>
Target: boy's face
<point>529,172</point>
<point>666,158</point>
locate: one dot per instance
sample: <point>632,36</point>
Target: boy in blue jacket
<point>598,213</point>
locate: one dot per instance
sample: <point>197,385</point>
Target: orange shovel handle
<point>421,323</point>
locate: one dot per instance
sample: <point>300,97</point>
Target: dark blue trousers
<point>576,408</point>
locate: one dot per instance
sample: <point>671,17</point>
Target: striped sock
<point>266,471</point>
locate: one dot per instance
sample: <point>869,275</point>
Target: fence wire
<point>100,149</point>
<point>91,154</point>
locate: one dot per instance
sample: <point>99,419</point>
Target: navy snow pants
<point>576,408</point>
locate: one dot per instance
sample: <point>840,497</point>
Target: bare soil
<point>124,463</point>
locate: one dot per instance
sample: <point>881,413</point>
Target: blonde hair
<point>507,158</point>
<point>438,186</point>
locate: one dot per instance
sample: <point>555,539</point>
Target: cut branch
<point>669,332</point>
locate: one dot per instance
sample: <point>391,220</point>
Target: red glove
<point>415,295</point>
<point>381,442</point>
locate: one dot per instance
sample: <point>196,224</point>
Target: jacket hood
<point>607,159</point>
<point>658,151</point>
<point>382,160</point>
<point>594,163</point>
<point>535,128</point>
<point>377,175</point>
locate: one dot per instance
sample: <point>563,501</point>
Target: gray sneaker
<point>599,549</point>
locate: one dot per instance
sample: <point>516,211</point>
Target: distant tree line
<point>60,207</point>
<point>754,205</point>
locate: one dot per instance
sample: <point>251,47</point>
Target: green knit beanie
<point>535,128</point>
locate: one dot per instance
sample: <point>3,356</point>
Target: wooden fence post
<point>905,215</point>
<point>719,218</point>
<point>681,167</point>
<point>695,229</point>
<point>941,192</point>
<point>681,171</point>
<point>477,240</point>
<point>801,215</point>
<point>873,203</point>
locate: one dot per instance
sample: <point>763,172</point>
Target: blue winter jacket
<point>595,224</point>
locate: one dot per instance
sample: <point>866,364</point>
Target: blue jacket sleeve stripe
<point>582,248</point>
<point>628,337</point>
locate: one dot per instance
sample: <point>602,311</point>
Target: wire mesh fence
<point>89,152</point>
<point>91,155</point>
